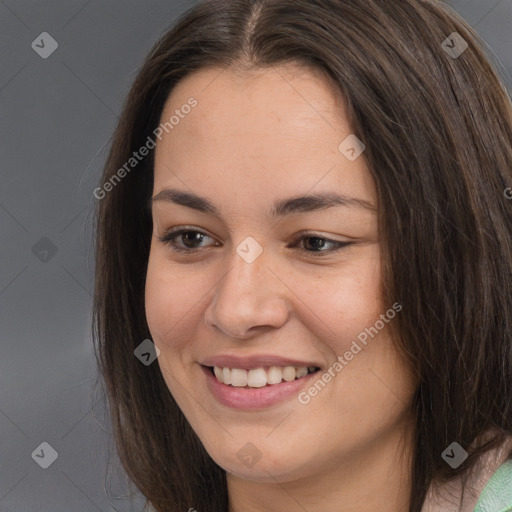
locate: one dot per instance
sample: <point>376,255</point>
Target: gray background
<point>57,118</point>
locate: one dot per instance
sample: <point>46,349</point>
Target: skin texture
<point>253,138</point>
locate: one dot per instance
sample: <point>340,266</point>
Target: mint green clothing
<point>497,494</point>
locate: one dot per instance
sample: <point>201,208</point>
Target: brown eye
<point>189,237</point>
<point>317,244</point>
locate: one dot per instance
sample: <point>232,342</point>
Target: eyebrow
<point>282,207</point>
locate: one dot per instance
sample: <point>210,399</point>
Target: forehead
<point>271,129</point>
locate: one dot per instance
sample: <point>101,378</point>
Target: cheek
<point>169,313</point>
<point>157,297</point>
<point>347,301</point>
<point>173,295</point>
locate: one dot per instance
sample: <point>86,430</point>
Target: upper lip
<point>255,361</point>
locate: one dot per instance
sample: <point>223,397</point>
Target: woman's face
<point>270,283</point>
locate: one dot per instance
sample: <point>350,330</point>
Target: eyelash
<point>169,238</point>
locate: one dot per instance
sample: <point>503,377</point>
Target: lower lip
<point>254,398</point>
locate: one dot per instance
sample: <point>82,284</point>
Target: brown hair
<point>438,136</point>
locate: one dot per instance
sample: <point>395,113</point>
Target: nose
<point>250,298</point>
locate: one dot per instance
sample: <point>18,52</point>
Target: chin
<point>255,462</point>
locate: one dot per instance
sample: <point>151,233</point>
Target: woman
<point>304,263</point>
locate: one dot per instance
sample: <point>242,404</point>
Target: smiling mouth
<point>260,377</point>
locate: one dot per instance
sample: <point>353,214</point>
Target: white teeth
<point>257,378</point>
<point>218,373</point>
<point>302,372</point>
<point>274,375</point>
<point>289,373</point>
<point>260,377</point>
<point>238,378</point>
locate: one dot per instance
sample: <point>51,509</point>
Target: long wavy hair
<point>438,134</point>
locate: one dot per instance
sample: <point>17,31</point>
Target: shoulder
<point>488,486</point>
<point>497,494</point>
